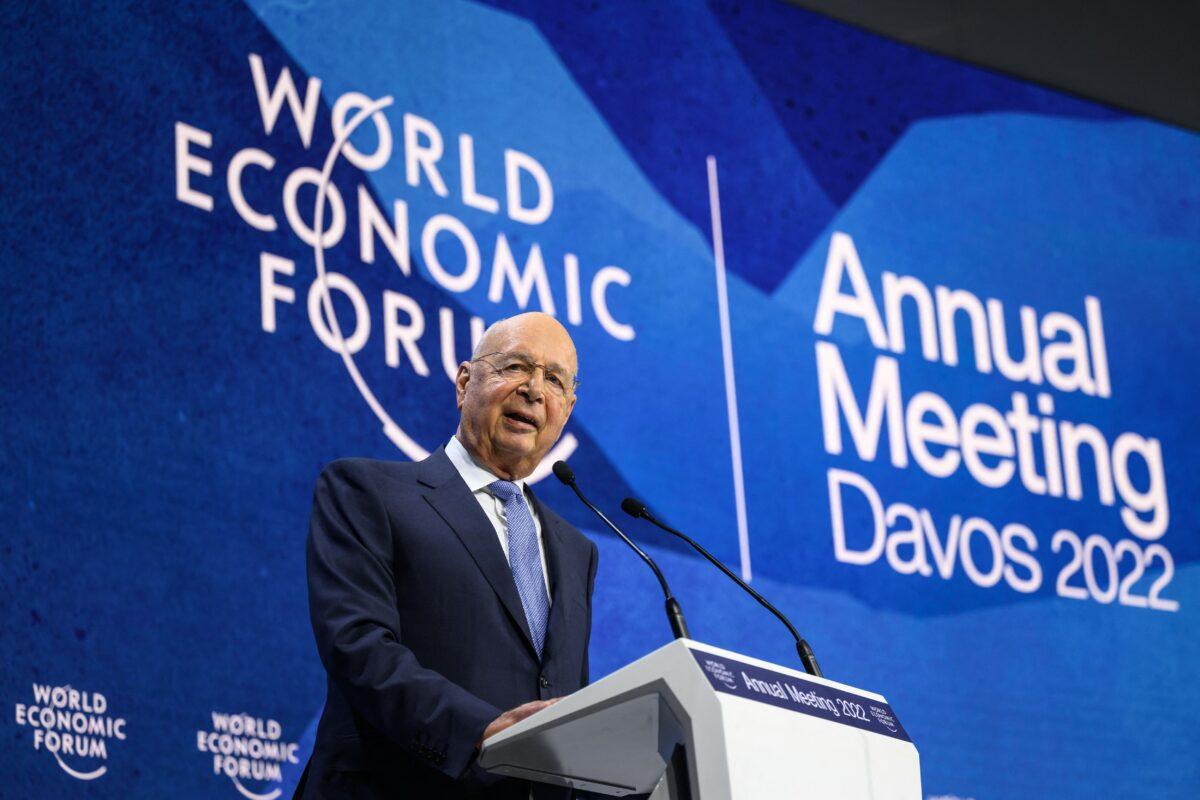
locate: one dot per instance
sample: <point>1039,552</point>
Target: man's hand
<point>515,715</point>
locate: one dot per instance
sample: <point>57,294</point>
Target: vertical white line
<point>735,437</point>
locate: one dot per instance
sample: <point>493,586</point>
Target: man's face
<point>517,395</point>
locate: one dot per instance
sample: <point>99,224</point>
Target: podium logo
<point>73,726</point>
<point>884,717</point>
<point>250,751</point>
<point>721,672</point>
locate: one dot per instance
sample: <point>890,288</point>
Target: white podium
<point>694,722</point>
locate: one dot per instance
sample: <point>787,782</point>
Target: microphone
<point>637,509</point>
<point>674,613</point>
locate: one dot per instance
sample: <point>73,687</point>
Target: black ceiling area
<point>1140,56</point>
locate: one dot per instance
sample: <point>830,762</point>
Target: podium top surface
<point>748,729</point>
<point>753,679</point>
<point>800,674</point>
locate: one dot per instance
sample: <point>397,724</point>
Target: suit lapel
<point>454,502</point>
<point>563,581</point>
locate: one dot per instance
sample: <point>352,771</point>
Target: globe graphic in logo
<point>561,451</point>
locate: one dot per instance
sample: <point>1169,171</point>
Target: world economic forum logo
<point>884,717</point>
<point>720,672</point>
<point>409,446</point>
<point>249,751</point>
<point>74,726</point>
<point>525,274</point>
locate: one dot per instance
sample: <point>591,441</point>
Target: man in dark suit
<point>443,592</point>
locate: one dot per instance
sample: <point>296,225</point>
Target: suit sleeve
<point>352,601</point>
<point>591,585</point>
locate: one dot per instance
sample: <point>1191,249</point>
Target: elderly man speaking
<point>448,603</point>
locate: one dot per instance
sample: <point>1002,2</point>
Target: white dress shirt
<point>478,479</point>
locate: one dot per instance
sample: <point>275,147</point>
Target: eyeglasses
<point>519,368</point>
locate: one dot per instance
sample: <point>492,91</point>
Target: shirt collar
<point>476,477</point>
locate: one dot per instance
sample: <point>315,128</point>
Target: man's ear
<point>460,382</point>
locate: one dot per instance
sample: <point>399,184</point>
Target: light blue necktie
<point>524,558</point>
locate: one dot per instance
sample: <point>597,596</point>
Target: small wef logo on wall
<point>73,726</point>
<point>248,749</point>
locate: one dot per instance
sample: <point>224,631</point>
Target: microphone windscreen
<point>563,472</point>
<point>633,507</point>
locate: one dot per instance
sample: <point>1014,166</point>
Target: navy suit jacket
<point>422,633</point>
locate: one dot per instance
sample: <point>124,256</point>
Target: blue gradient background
<point>158,448</point>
